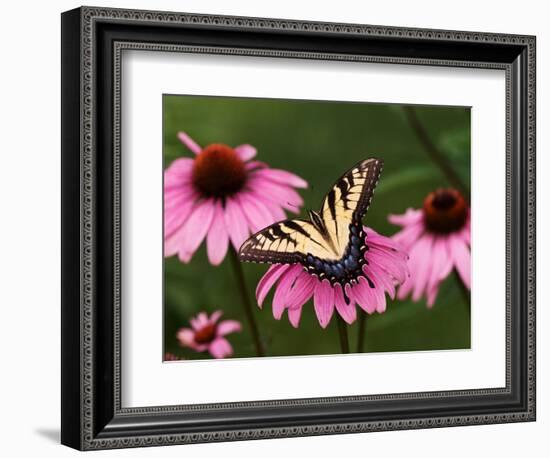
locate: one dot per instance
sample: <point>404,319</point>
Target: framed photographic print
<point>277,228</point>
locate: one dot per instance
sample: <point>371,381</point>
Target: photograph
<point>280,223</point>
<point>312,227</point>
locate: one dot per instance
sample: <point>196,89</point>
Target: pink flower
<point>437,238</point>
<point>386,266</point>
<point>171,357</point>
<point>223,196</point>
<point>207,334</point>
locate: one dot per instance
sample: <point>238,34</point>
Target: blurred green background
<point>319,141</point>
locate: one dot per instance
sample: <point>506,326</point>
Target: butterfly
<point>331,244</point>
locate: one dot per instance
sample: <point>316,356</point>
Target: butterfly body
<point>345,269</point>
<point>331,244</point>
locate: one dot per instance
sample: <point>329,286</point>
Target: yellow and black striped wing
<point>286,242</point>
<point>349,199</point>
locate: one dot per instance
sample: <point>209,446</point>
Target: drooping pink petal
<point>323,302</point>
<point>280,299</point>
<point>441,267</point>
<point>178,173</point>
<point>348,292</point>
<point>235,222</point>
<point>302,290</point>
<point>409,235</point>
<point>405,288</point>
<point>465,232</point>
<point>377,293</point>
<point>294,316</point>
<point>195,229</point>
<point>431,295</point>
<point>220,348</point>
<point>180,165</point>
<point>282,177</point>
<point>285,196</point>
<point>217,240</point>
<point>461,258</point>
<point>422,268</point>
<point>375,239</point>
<point>390,262</point>
<point>380,278</point>
<point>365,298</point>
<point>174,198</point>
<point>175,217</point>
<point>257,215</point>
<point>418,263</point>
<point>189,142</point>
<point>411,216</point>
<point>227,327</point>
<point>172,242</point>
<point>268,280</point>
<point>346,310</point>
<point>245,152</point>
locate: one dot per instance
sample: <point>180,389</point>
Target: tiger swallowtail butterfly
<point>331,244</point>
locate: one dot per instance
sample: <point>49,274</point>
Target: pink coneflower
<point>223,196</point>
<point>207,334</point>
<point>353,282</point>
<point>437,238</point>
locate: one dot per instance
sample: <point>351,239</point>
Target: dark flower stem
<point>245,299</point>
<point>343,333</point>
<point>433,152</point>
<point>465,292</point>
<point>361,331</point>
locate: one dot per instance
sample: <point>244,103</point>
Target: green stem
<point>247,305</point>
<point>433,152</point>
<point>342,333</point>
<point>361,331</point>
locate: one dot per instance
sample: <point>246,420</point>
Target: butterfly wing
<point>349,199</point>
<point>327,236</point>
<point>285,242</point>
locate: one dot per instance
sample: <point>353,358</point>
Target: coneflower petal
<point>461,258</point>
<point>294,316</point>
<point>268,280</point>
<point>423,265</point>
<point>323,302</point>
<point>235,223</point>
<point>220,348</point>
<point>227,327</point>
<point>217,240</point>
<point>302,290</point>
<point>245,152</point>
<point>281,177</point>
<point>347,310</point>
<point>280,299</point>
<point>189,142</point>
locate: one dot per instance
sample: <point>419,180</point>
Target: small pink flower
<point>437,238</point>
<point>386,266</point>
<point>207,334</point>
<point>223,196</point>
<point>171,357</point>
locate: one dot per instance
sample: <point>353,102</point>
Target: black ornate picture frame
<point>92,42</point>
